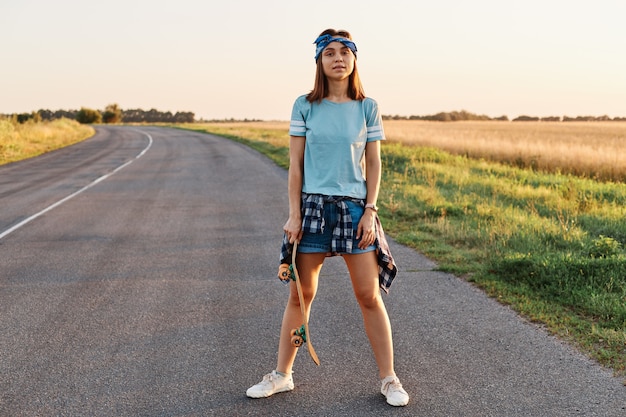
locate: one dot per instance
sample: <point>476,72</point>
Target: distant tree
<point>25,117</point>
<point>441,117</point>
<point>526,119</point>
<point>22,117</point>
<point>112,114</point>
<point>88,116</point>
<point>156,116</point>
<point>184,117</point>
<point>453,116</point>
<point>68,114</point>
<point>45,114</point>
<point>579,119</point>
<point>58,114</point>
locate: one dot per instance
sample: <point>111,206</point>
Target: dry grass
<point>21,141</point>
<point>589,149</point>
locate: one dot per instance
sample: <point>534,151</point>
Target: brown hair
<point>320,89</point>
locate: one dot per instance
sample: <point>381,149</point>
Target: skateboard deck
<point>302,334</point>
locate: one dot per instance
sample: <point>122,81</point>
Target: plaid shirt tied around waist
<point>343,234</point>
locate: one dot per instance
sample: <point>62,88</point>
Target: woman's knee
<point>368,299</point>
<point>307,293</point>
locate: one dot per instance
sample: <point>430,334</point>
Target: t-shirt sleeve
<point>374,121</point>
<point>297,125</point>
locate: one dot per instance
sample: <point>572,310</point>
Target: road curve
<point>153,293</point>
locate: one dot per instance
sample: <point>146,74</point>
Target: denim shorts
<point>321,242</point>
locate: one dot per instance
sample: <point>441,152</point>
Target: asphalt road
<point>152,292</point>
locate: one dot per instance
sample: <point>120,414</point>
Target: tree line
<point>114,114</point>
<point>463,115</point>
<point>111,114</point>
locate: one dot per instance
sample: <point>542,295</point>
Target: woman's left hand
<point>366,230</point>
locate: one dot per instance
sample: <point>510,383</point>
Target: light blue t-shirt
<point>334,153</point>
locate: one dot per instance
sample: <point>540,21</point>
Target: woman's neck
<point>338,91</point>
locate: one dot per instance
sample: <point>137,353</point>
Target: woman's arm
<point>366,230</point>
<point>373,168</point>
<point>293,227</point>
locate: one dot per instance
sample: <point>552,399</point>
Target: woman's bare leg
<point>309,266</point>
<point>364,275</point>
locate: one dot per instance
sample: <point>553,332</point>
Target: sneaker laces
<point>273,377</point>
<point>268,378</point>
<point>391,384</point>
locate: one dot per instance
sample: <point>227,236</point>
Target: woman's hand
<point>366,230</point>
<point>293,229</point>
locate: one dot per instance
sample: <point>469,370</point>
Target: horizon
<point>417,117</point>
<point>250,60</point>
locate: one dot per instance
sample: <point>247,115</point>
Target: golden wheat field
<point>591,149</point>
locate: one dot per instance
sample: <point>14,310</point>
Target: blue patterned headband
<point>323,41</point>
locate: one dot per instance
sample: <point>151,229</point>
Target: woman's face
<point>337,61</point>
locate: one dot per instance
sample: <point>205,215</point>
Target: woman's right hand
<point>293,229</point>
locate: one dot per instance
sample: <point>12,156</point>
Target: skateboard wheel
<point>296,341</point>
<point>299,332</point>
<point>284,274</point>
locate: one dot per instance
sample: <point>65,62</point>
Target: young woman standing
<point>333,184</point>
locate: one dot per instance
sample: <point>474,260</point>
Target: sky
<point>251,59</point>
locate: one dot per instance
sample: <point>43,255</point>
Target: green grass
<point>550,246</point>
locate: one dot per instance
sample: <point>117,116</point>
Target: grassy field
<point>21,141</point>
<point>549,244</point>
<point>589,149</point>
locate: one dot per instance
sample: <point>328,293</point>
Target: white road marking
<point>85,188</point>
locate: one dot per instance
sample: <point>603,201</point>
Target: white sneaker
<point>392,389</point>
<point>272,383</point>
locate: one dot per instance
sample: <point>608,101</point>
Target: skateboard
<point>301,334</point>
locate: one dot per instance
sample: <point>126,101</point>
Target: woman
<point>333,184</point>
